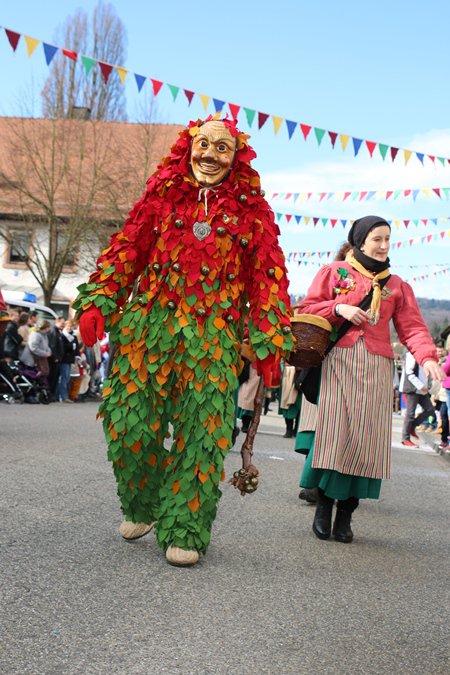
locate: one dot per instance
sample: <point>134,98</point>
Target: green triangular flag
<point>442,160</point>
<point>383,149</point>
<point>174,91</point>
<point>445,191</point>
<point>250,116</point>
<point>279,216</point>
<point>88,63</point>
<point>396,193</point>
<point>320,133</point>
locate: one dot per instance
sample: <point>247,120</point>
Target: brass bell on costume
<point>271,272</point>
<point>157,267</point>
<point>204,269</point>
<point>176,267</point>
<point>243,198</point>
<point>179,224</point>
<point>226,219</point>
<point>231,276</point>
<point>229,318</point>
<point>244,242</point>
<point>201,311</point>
<point>221,231</point>
<point>171,305</point>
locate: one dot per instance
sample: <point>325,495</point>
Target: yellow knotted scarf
<point>375,305</point>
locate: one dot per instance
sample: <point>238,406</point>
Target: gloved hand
<point>92,326</point>
<point>264,367</point>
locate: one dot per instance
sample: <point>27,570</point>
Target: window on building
<point>19,245</point>
<point>69,252</point>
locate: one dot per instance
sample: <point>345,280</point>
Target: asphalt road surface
<point>268,597</point>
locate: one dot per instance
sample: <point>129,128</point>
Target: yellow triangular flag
<point>32,43</point>
<point>277,122</point>
<point>307,219</point>
<point>205,100</point>
<point>397,223</point>
<point>344,140</point>
<point>407,154</point>
<point>122,73</point>
<point>426,192</point>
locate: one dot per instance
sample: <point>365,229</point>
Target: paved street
<point>268,598</point>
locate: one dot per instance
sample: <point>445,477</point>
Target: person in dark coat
<point>12,339</point>
<point>56,343</point>
<point>71,350</point>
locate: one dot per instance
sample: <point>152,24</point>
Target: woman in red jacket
<point>350,451</point>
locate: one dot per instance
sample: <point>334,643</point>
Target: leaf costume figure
<point>197,257</point>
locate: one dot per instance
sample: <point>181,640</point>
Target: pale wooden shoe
<point>181,558</point>
<point>131,531</point>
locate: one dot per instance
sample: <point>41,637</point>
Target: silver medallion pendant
<point>201,230</point>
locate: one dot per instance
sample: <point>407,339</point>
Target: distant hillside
<point>436,314</point>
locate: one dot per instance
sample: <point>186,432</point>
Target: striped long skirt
<point>354,422</point>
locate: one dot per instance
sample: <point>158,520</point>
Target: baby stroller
<point>32,383</point>
<point>10,391</point>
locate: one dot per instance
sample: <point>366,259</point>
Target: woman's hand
<point>355,315</point>
<point>434,370</point>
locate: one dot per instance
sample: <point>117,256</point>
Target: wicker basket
<point>312,334</point>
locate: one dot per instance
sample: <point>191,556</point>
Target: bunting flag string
<point>318,220</point>
<point>296,256</point>
<point>317,263</point>
<point>359,195</point>
<point>303,130</point>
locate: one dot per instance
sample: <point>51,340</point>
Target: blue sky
<point>375,70</point>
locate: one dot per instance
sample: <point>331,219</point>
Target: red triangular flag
<point>429,237</point>
<point>389,194</point>
<point>442,234</point>
<point>362,195</point>
<point>13,38</point>
<point>333,136</point>
<point>432,157</point>
<point>346,194</point>
<point>315,220</point>
<point>234,110</point>
<point>156,84</point>
<point>189,95</point>
<point>106,70</point>
<point>437,191</point>
<point>394,153</point>
<point>288,217</point>
<point>305,130</point>
<point>262,119</point>
<point>333,222</point>
<point>69,54</point>
<point>406,193</point>
<point>406,223</point>
<point>371,147</point>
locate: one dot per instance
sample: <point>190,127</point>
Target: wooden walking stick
<point>246,479</point>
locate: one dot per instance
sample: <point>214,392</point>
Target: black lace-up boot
<point>341,528</point>
<point>322,518</point>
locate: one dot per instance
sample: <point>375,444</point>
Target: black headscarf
<point>357,236</point>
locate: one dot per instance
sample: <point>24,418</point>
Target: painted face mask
<point>212,153</point>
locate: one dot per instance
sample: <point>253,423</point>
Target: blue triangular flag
<point>420,156</point>
<point>414,194</point>
<point>356,144</point>
<point>140,80</point>
<point>298,219</point>
<point>49,51</point>
<point>291,127</point>
<point>371,194</point>
<point>218,105</point>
